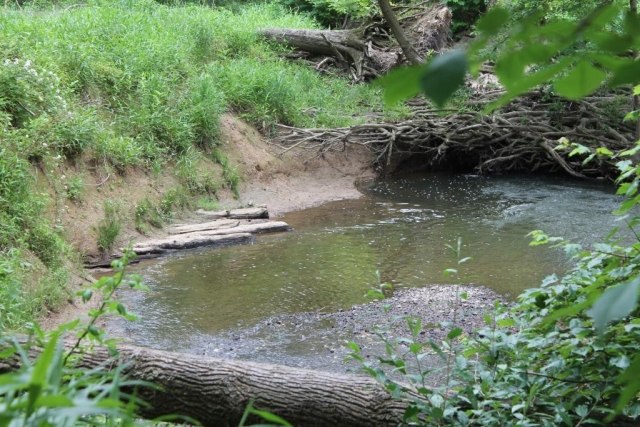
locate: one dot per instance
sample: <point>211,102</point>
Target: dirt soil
<point>295,180</point>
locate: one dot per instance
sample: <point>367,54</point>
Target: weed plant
<point>109,228</point>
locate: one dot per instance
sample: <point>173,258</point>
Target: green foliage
<point>464,13</point>
<point>196,177</point>
<point>109,227</point>
<point>208,204</point>
<point>229,172</point>
<point>529,57</point>
<point>572,10</point>
<point>565,354</point>
<point>146,213</point>
<point>331,13</point>
<point>51,390</point>
<point>174,199</point>
<point>272,419</point>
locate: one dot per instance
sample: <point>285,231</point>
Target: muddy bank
<point>316,340</point>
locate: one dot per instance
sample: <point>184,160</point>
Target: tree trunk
<point>216,391</point>
<point>408,50</point>
<point>346,46</point>
<point>633,8</point>
<point>370,51</point>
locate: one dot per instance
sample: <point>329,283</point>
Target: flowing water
<point>399,229</point>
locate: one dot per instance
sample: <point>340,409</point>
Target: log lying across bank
<point>216,391</point>
<point>368,51</point>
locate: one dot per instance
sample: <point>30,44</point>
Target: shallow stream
<point>400,229</point>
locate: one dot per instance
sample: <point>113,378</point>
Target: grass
<point>109,227</point>
<point>208,204</point>
<point>135,84</point>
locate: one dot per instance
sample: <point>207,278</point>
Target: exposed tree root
<point>369,51</point>
<point>520,137</point>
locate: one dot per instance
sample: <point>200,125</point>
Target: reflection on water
<point>401,229</point>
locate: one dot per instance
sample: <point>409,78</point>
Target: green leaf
<point>444,75</point>
<point>630,378</point>
<point>121,309</point>
<point>54,401</point>
<point>583,80</point>
<point>45,362</point>
<point>454,333</point>
<point>604,151</point>
<point>401,84</point>
<point>506,323</point>
<point>492,22</point>
<point>628,73</point>
<point>602,16</point>
<point>86,295</point>
<point>615,303</point>
<point>268,416</point>
<point>522,84</point>
<point>7,352</point>
<point>636,90</point>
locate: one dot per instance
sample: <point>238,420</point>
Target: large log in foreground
<point>216,391</point>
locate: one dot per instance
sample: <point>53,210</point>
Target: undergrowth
<point>117,85</point>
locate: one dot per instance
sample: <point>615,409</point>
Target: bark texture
<point>370,51</point>
<point>406,46</point>
<point>215,391</point>
<point>346,47</point>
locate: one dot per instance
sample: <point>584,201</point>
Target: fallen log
<point>204,226</point>
<point>345,46</point>
<point>190,241</point>
<point>368,51</point>
<point>209,237</point>
<point>216,391</point>
<point>242,213</point>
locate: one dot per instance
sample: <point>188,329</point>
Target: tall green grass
<point>136,84</point>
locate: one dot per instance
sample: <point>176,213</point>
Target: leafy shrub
<point>120,151</point>
<point>196,179</point>
<point>26,91</point>
<point>52,389</point>
<point>206,104</point>
<point>176,198</point>
<point>229,172</point>
<point>146,213</point>
<point>74,188</point>
<point>46,244</point>
<point>329,13</point>
<point>208,204</point>
<point>465,13</point>
<point>109,227</point>
<point>74,132</point>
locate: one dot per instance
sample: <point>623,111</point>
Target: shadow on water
<point>400,228</point>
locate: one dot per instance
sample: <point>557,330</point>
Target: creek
<point>400,229</point>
